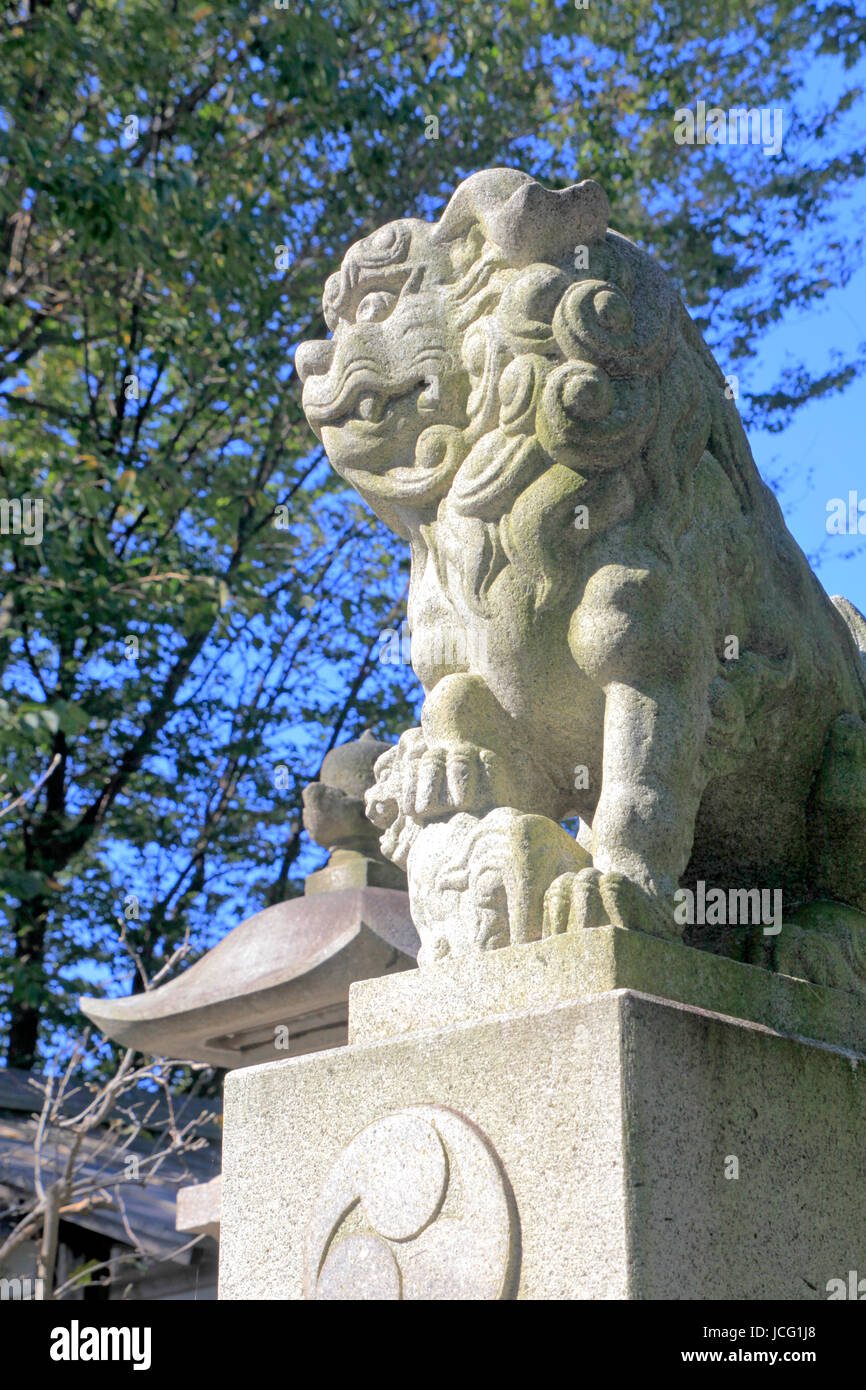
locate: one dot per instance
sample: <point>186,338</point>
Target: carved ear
<point>477,199</point>
<point>537,224</point>
<point>530,223</point>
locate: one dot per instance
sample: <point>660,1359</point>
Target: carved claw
<point>591,898</point>
<point>422,782</point>
<point>571,902</point>
<point>457,777</point>
<point>431,783</point>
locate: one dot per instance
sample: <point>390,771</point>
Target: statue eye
<point>375,306</point>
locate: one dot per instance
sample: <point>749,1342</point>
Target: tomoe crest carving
<point>416,1207</point>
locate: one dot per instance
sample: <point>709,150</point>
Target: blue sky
<point>821,454</point>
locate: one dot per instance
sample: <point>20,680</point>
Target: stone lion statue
<point>608,615</point>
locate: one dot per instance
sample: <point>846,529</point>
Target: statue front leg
<point>643,827</point>
<point>458,800</point>
<point>466,757</point>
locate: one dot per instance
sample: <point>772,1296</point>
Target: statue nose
<point>314,358</point>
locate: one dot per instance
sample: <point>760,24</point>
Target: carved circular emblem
<point>416,1207</point>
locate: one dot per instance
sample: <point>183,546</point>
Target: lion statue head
<point>517,331</point>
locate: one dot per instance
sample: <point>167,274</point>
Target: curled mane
<point>574,345</point>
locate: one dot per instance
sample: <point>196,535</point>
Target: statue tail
<point>838,802</point>
<point>856,625</point>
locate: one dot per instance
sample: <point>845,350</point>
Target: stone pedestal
<point>602,1115</point>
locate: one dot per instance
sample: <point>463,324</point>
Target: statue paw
<point>457,777</point>
<point>591,898</point>
<point>422,782</point>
